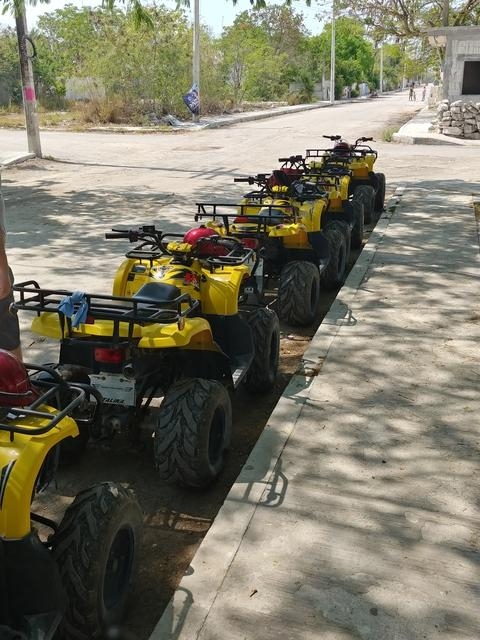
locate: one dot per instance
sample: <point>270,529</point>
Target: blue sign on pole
<point>192,100</point>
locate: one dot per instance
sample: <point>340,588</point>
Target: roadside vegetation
<point>104,65</point>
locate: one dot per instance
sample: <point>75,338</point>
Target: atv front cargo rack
<point>139,309</point>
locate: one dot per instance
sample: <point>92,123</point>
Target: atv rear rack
<point>352,154</point>
<point>137,310</point>
<point>11,416</point>
<point>243,215</point>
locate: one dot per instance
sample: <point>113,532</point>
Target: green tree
<point>405,19</point>
<point>252,67</point>
<point>354,54</point>
<point>10,83</point>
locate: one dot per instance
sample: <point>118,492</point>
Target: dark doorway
<point>471,78</point>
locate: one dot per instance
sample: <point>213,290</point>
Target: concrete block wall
<point>459,118</point>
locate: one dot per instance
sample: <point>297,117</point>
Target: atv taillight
<point>250,243</point>
<point>240,219</point>
<point>108,355</point>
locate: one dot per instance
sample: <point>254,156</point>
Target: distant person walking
<point>411,93</point>
<point>424,92</point>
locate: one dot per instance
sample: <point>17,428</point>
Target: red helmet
<point>197,237</point>
<point>15,387</point>
<point>341,148</point>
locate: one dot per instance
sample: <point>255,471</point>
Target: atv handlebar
<point>332,137</point>
<point>152,241</point>
<point>118,234</point>
<point>259,179</point>
<point>363,139</point>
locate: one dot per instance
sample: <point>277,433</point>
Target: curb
<point>16,159</point>
<point>261,115</point>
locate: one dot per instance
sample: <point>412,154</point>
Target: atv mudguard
<point>195,332</point>
<point>21,459</point>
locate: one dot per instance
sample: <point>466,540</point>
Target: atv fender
<point>122,275</point>
<point>220,289</point>
<point>20,462</point>
<point>287,230</point>
<point>195,334</point>
<point>48,324</point>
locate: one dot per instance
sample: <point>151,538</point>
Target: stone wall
<point>459,118</point>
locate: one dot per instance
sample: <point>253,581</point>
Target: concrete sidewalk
<point>356,515</point>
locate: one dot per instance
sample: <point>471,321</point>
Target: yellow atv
<point>336,180</point>
<point>299,242</point>
<point>77,579</point>
<point>325,231</point>
<point>172,329</point>
<point>365,184</point>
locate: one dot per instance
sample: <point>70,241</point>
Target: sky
<point>214,13</point>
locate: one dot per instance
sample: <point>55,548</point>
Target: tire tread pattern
<point>333,276</point>
<point>266,337</point>
<point>79,546</point>
<point>181,433</point>
<point>295,305</point>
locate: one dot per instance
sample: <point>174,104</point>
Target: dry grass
<point>61,119</point>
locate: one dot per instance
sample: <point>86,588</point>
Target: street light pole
<point>332,57</point>
<point>381,68</point>
<point>28,86</point>
<point>196,49</point>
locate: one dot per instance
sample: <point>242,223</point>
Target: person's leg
<point>9,327</point>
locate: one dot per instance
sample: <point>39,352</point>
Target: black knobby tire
<point>333,276</point>
<point>262,372</point>
<point>193,432</point>
<point>298,293</point>
<point>96,548</point>
<point>356,240</point>
<point>366,193</point>
<point>380,193</point>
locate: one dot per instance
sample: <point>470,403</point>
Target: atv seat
<point>158,292</point>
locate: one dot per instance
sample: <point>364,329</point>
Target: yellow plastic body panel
<point>120,281</point>
<point>360,168</point>
<point>311,214</point>
<point>220,289</point>
<point>48,324</point>
<point>23,458</point>
<point>151,336</point>
<point>195,333</point>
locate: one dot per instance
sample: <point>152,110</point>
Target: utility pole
<point>445,13</point>
<point>332,57</point>
<point>196,50</point>
<point>381,68</point>
<point>28,87</point>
